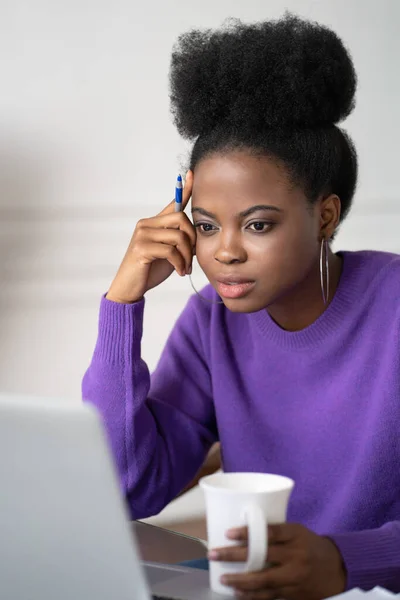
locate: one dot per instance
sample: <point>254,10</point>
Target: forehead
<point>242,179</point>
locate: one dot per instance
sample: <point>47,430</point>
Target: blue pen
<point>178,194</point>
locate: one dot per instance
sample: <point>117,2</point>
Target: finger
<point>229,554</point>
<point>239,534</point>
<point>269,578</point>
<point>172,237</point>
<point>286,593</point>
<point>249,581</point>
<point>259,595</point>
<point>277,534</point>
<point>278,554</point>
<point>152,251</point>
<point>284,532</point>
<point>278,537</point>
<point>171,221</point>
<point>186,195</point>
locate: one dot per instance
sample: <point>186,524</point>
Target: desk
<point>162,545</point>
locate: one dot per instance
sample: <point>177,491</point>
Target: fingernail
<point>213,555</point>
<point>224,579</point>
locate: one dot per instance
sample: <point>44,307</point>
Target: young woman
<point>291,356</point>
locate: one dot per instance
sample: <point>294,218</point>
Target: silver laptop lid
<point>63,527</point>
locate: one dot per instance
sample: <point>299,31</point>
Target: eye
<point>205,227</point>
<point>260,226</point>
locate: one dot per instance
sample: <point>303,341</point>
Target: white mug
<point>237,499</point>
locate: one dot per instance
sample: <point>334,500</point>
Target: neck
<point>304,305</point>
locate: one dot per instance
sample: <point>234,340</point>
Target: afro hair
<point>285,73</point>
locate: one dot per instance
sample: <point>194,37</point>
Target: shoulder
<point>376,276</point>
<point>373,265</point>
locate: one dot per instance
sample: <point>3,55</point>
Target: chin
<point>244,305</point>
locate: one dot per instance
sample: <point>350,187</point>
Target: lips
<point>234,287</point>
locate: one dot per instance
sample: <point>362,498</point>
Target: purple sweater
<point>321,406</point>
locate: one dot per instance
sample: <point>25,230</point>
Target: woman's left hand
<point>303,565</point>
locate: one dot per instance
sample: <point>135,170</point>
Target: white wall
<point>87,147</point>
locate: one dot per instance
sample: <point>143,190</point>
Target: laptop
<point>64,530</point>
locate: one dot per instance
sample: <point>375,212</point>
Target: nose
<point>230,250</point>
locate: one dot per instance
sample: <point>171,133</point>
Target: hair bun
<point>284,73</point>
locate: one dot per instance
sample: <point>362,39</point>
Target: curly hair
<point>275,88</point>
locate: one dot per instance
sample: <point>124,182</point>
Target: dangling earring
<point>203,297</point>
<point>324,277</point>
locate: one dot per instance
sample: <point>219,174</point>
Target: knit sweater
<point>320,405</point>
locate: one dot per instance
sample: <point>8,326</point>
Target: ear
<point>330,210</point>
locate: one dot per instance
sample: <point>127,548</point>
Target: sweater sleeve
<point>159,431</point>
<point>371,557</point>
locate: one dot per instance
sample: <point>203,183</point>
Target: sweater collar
<point>330,320</point>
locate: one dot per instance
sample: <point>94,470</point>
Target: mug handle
<point>258,538</point>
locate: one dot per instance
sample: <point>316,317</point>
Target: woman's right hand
<point>159,246</point>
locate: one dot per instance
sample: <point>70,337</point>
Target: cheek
<point>302,241</point>
<point>205,252</point>
<point>286,253</point>
<point>294,247</point>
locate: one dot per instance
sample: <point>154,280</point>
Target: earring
<point>324,276</point>
<point>203,297</point>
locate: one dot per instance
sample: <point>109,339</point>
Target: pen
<point>178,194</point>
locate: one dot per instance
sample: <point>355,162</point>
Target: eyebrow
<point>245,213</point>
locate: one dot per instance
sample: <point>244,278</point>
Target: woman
<point>291,356</point>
